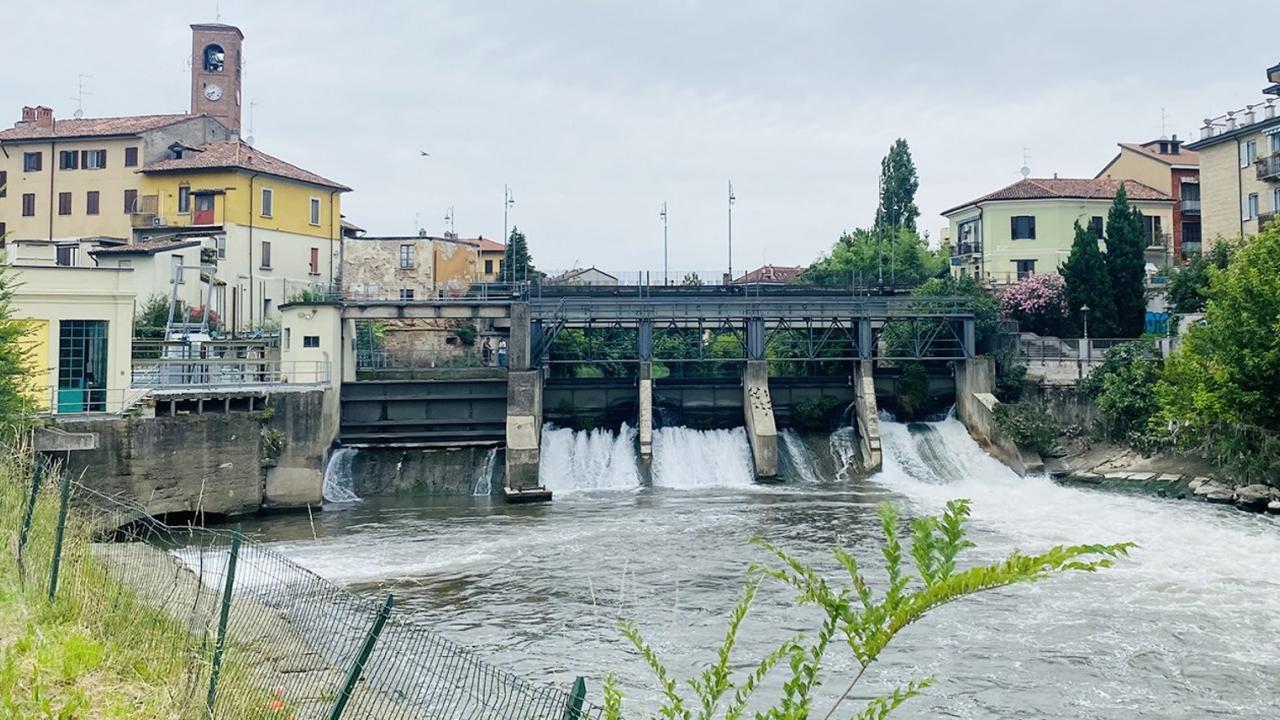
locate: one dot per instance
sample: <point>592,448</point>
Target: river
<point>1187,627</point>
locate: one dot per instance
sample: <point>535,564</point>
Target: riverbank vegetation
<point>923,572</point>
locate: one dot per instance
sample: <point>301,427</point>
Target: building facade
<point>1029,226</point>
<point>1240,167</point>
<point>410,268</point>
<point>1166,165</point>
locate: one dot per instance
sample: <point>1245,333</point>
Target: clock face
<point>213,92</point>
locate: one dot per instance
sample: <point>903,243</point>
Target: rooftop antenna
<point>1026,163</point>
<point>448,217</point>
<point>249,140</point>
<point>80,93</point>
<point>1164,125</point>
<point>217,12</point>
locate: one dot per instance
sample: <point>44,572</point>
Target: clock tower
<point>216,61</point>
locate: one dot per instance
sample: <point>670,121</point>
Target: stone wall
<point>426,471</point>
<point>975,407</point>
<point>307,423</point>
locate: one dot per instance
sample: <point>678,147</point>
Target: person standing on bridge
<point>502,353</point>
<point>486,351</point>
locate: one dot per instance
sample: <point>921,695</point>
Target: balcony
<point>1265,218</point>
<point>966,248</point>
<point>1269,167</point>
<point>1190,207</point>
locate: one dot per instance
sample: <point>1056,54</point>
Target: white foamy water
<point>583,460</point>
<point>686,458</point>
<point>844,451</point>
<point>797,460</point>
<point>484,477</point>
<point>339,478</point>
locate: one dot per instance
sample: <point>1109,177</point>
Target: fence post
<point>220,645</point>
<point>29,513</point>
<point>577,696</point>
<point>357,668</point>
<point>63,499</point>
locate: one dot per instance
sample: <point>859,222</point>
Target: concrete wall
<point>435,471</point>
<point>371,267</point>
<point>307,423</point>
<point>975,406</point>
<point>524,428</point>
<point>758,411</point>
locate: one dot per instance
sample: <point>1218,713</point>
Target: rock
<point>1253,497</point>
<point>1117,476</point>
<point>1210,486</point>
<point>1169,478</point>
<point>1220,495</point>
<point>1274,507</point>
<point>1142,476</point>
<point>1195,484</point>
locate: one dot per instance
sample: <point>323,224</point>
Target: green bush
<point>1029,425</point>
<point>467,334</point>
<point>913,390</point>
<point>813,414</point>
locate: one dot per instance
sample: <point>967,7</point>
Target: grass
<point>97,650</point>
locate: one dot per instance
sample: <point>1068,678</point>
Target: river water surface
<point>1188,627</point>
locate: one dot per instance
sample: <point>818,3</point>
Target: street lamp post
<point>507,202</point>
<point>1084,310</point>
<point>731,199</point>
<point>663,215</point>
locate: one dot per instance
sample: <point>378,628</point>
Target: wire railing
<point>239,630</point>
<point>171,373</point>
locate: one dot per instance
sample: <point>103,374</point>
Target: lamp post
<point>507,202</point>
<point>731,199</point>
<point>1084,310</point>
<point>663,215</point>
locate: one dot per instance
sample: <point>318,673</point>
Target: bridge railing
<point>173,373</point>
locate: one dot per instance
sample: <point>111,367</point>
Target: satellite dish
<point>78,113</point>
<point>249,141</point>
<point>1026,172</point>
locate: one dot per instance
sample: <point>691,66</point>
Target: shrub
<point>813,414</point>
<point>1038,304</point>
<point>1029,425</point>
<point>466,334</point>
<point>913,390</point>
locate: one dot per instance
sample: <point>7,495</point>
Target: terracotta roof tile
<point>93,127</point>
<point>241,156</point>
<point>1150,149</point>
<point>484,244</point>
<point>771,273</point>
<point>1069,188</point>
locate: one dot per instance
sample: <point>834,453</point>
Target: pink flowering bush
<point>1038,304</point>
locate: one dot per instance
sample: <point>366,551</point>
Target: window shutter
<point>1013,228</point>
<point>84,158</point>
<point>103,158</point>
<point>1244,208</point>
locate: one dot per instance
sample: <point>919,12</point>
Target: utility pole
<point>507,202</point>
<point>448,217</point>
<point>731,199</point>
<point>663,215</point>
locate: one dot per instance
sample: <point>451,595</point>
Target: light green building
<point>1028,227</point>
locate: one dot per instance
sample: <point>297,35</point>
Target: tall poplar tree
<point>1088,283</point>
<point>519,265</point>
<point>1126,263</point>
<point>898,185</point>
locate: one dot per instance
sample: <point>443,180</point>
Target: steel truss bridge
<point>676,327</point>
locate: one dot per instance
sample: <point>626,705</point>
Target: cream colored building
<point>1029,226</point>
<point>1240,167</point>
<point>409,268</point>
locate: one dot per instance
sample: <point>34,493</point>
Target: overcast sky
<point>596,112</point>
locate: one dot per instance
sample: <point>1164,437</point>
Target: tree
<point>1189,285</point>
<point>1126,266</point>
<point>691,280</point>
<point>898,185</point>
<point>518,264</point>
<point>1038,304</point>
<point>1124,390</point>
<point>15,358</point>
<point>1088,283</point>
<point>865,257</point>
<point>986,309</point>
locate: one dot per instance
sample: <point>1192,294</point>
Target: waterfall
<point>686,458</point>
<point>795,457</point>
<point>339,477</point>
<point>845,451</point>
<point>484,478</point>
<point>581,460</point>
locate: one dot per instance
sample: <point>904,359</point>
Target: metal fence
<point>240,630</point>
<point>166,373</point>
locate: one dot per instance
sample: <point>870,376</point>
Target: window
<point>315,261</point>
<point>1275,202</point>
<point>1248,152</point>
<point>488,267</point>
<point>176,268</point>
<point>68,255</point>
<point>130,201</point>
<point>1096,223</point>
<point>266,255</point>
<point>406,293</point>
<point>93,159</point>
<point>406,257</point>
<point>220,242</point>
<point>2,233</point>
<point>1190,191</point>
<point>315,211</point>
<point>4,183</point>
<point>32,162</point>
<point>82,366</point>
<point>268,197</point>
<point>1154,235</point>
<point>28,204</point>
<point>1250,209</point>
<point>64,203</point>
<point>131,157</point>
<point>310,341</point>
<point>1275,143</point>
<point>1190,233</point>
<point>68,160</point>
<point>184,198</point>
<point>91,203</point>
<point>1023,227</point>
<point>215,58</point>
<point>1026,268</point>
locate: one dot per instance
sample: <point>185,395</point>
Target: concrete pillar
<point>518,343</point>
<point>348,360</point>
<point>644,340</point>
<point>761,428</point>
<point>864,339</point>
<point>868,415</point>
<point>524,436</point>
<point>644,413</point>
<point>970,338</point>
<point>755,338</point>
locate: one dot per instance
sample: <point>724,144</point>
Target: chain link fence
<point>249,633</point>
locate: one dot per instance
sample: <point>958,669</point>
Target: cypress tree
<point>1088,283</point>
<point>898,185</point>
<point>519,265</point>
<point>1126,241</point>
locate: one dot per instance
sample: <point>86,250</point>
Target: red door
<point>204,210</point>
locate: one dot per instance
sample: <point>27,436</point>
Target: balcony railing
<point>1191,207</point>
<point>1265,218</point>
<point>1269,167</point>
<point>966,248</point>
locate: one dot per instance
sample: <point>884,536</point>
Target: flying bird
<point>425,153</point>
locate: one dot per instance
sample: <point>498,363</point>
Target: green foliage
<point>153,317</point>
<point>16,358</point>
<point>1126,266</point>
<point>1189,285</point>
<point>863,257</point>
<point>1011,377</point>
<point>309,295</point>
<point>467,333</point>
<point>986,308</point>
<point>1088,283</point>
<point>691,280</point>
<point>1124,390</point>
<point>852,615</point>
<point>813,414</point>
<point>898,185</point>
<point>518,263</point>
<point>913,390</point>
<point>1029,425</point>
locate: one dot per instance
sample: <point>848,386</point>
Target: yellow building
<point>1240,167</point>
<point>1166,165</point>
<point>410,268</point>
<point>492,256</point>
<point>1029,226</point>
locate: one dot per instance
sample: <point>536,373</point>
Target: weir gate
<point>652,343</point>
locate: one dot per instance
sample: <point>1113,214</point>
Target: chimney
<point>1270,112</point>
<point>1175,145</point>
<point>28,114</point>
<point>43,117</point>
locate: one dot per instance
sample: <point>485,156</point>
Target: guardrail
<point>175,373</point>
<point>54,400</point>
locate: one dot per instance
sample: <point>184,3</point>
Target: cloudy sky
<point>595,112</point>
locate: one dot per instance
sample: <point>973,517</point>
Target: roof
<point>239,155</point>
<point>93,127</point>
<point>218,27</point>
<point>148,247</point>
<point>772,273</point>
<point>1069,189</point>
<point>1151,150</point>
<point>484,244</point>
<point>564,277</point>
<point>1239,131</point>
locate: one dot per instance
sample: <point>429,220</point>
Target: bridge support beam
<point>524,436</point>
<point>970,338</point>
<point>644,411</point>
<point>868,415</point>
<point>761,428</point>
